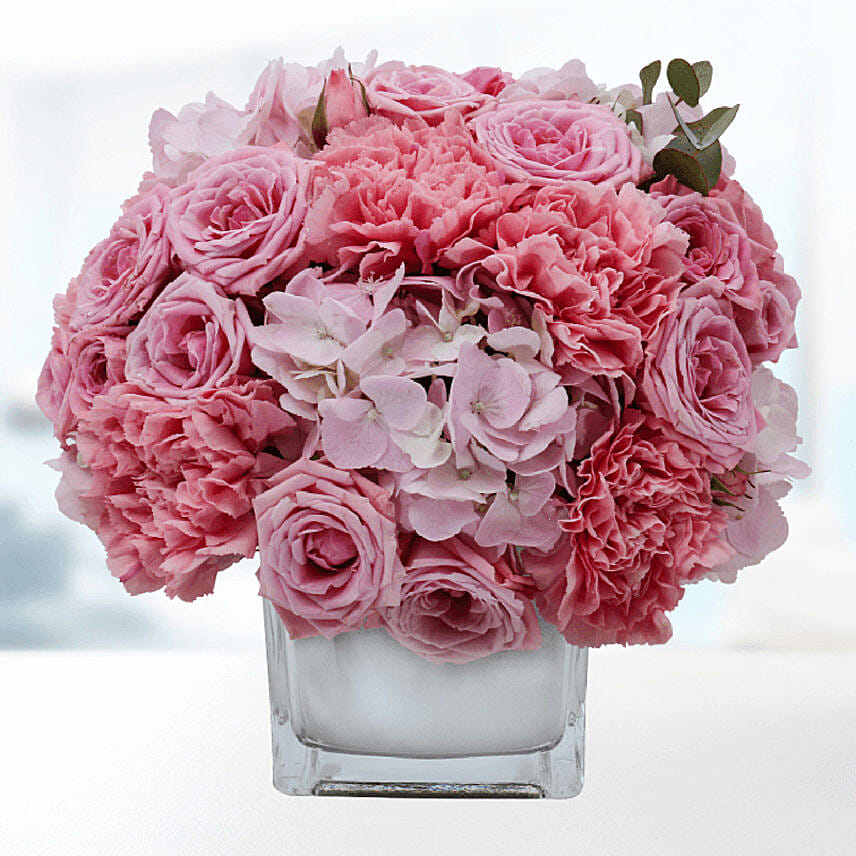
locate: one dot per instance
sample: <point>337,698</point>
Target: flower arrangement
<point>443,348</point>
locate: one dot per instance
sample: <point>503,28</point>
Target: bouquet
<point>449,351</point>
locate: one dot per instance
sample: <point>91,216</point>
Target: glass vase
<point>360,715</point>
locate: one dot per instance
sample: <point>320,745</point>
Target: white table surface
<point>688,753</point>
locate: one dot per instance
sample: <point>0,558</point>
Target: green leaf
<point>633,117</point>
<point>710,128</point>
<point>319,127</point>
<point>684,127</point>
<point>704,74</point>
<point>698,170</point>
<point>683,80</point>
<point>710,160</point>
<point>649,77</point>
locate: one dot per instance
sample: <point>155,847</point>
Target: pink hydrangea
<point>238,221</point>
<point>170,483</point>
<point>387,195</point>
<point>459,604</point>
<point>641,526</point>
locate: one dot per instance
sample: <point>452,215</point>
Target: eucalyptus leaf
<point>711,127</point>
<point>704,74</point>
<point>683,80</point>
<point>684,127</point>
<point>710,160</point>
<point>683,166</point>
<point>633,117</point>
<point>649,77</point>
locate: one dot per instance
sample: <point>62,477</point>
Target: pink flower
<point>399,92</point>
<point>171,483</point>
<point>641,525</point>
<point>329,559</point>
<point>343,100</point>
<point>394,427</point>
<point>718,246</point>
<point>767,328</point>
<point>238,220</point>
<point>458,604</point>
<point>602,268</point>
<point>513,410</point>
<point>550,142</point>
<point>749,493</point>
<point>697,376</point>
<point>488,79</point>
<point>193,338</point>
<point>124,273</point>
<point>181,143</point>
<point>387,195</point>
<point>283,101</point>
<point>79,367</point>
<point>568,83</point>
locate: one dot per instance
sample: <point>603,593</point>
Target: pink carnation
<point>641,525</point>
<point>602,268</point>
<point>171,484</point>
<point>193,338</point>
<point>459,604</point>
<point>697,376</point>
<point>123,274</point>
<point>387,195</point>
<point>400,92</point>
<point>552,142</point>
<point>238,220</point>
<point>329,559</point>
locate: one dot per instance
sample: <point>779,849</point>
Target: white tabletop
<point>127,753</point>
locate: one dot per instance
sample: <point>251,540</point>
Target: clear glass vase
<point>360,715</point>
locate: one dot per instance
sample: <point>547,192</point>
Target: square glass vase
<point>360,715</point>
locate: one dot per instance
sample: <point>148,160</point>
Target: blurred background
<point>78,84</point>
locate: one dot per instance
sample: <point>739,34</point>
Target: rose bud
<point>343,100</point>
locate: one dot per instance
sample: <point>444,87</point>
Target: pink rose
<point>181,143</point>
<point>767,328</point>
<point>697,376</point>
<point>387,195</point>
<point>458,604</point>
<point>238,220</point>
<point>488,79</point>
<point>171,483</point>
<point>601,267</point>
<point>329,555</point>
<point>642,525</point>
<point>124,273</point>
<point>343,101</point>
<point>193,338</point>
<point>718,246</point>
<point>570,82</point>
<point>551,142</point>
<point>79,367</point>
<point>399,91</point>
